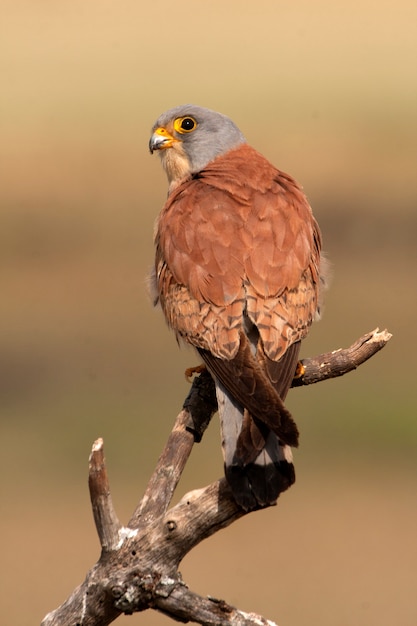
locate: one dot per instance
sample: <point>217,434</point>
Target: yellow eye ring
<point>184,125</point>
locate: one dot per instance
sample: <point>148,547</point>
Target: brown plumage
<point>237,274</point>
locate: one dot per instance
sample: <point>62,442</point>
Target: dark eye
<point>185,124</point>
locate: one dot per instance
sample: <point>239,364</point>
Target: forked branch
<point>138,566</point>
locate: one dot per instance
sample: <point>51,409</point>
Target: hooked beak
<point>160,140</point>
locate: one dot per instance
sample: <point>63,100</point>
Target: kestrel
<point>237,274</point>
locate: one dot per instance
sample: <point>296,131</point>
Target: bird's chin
<point>176,165</point>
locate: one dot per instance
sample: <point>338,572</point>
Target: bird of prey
<point>237,274</point>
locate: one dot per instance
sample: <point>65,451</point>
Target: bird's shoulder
<point>237,185</point>
<point>242,172</point>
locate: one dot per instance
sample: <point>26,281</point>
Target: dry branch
<point>106,520</point>
<point>138,566</point>
<point>344,360</point>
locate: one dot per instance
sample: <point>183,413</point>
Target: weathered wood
<point>143,568</point>
<point>186,606</point>
<point>340,362</point>
<point>106,520</point>
<point>138,566</point>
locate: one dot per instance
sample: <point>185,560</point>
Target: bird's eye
<point>185,124</point>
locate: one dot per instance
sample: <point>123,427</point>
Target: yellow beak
<point>161,139</point>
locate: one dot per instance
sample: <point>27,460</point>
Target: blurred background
<point>328,92</point>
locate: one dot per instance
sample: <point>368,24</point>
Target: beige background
<point>327,91</point>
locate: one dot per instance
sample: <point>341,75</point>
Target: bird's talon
<point>300,370</point>
<point>190,371</point>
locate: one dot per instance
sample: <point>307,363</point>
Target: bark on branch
<point>138,566</point>
<point>344,360</point>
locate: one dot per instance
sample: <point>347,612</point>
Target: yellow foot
<point>300,370</point>
<point>194,370</point>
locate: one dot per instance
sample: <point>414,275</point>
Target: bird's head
<point>188,137</point>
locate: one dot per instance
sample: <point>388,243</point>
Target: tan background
<point>328,91</point>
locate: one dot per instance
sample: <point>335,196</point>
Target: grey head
<point>188,137</point>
